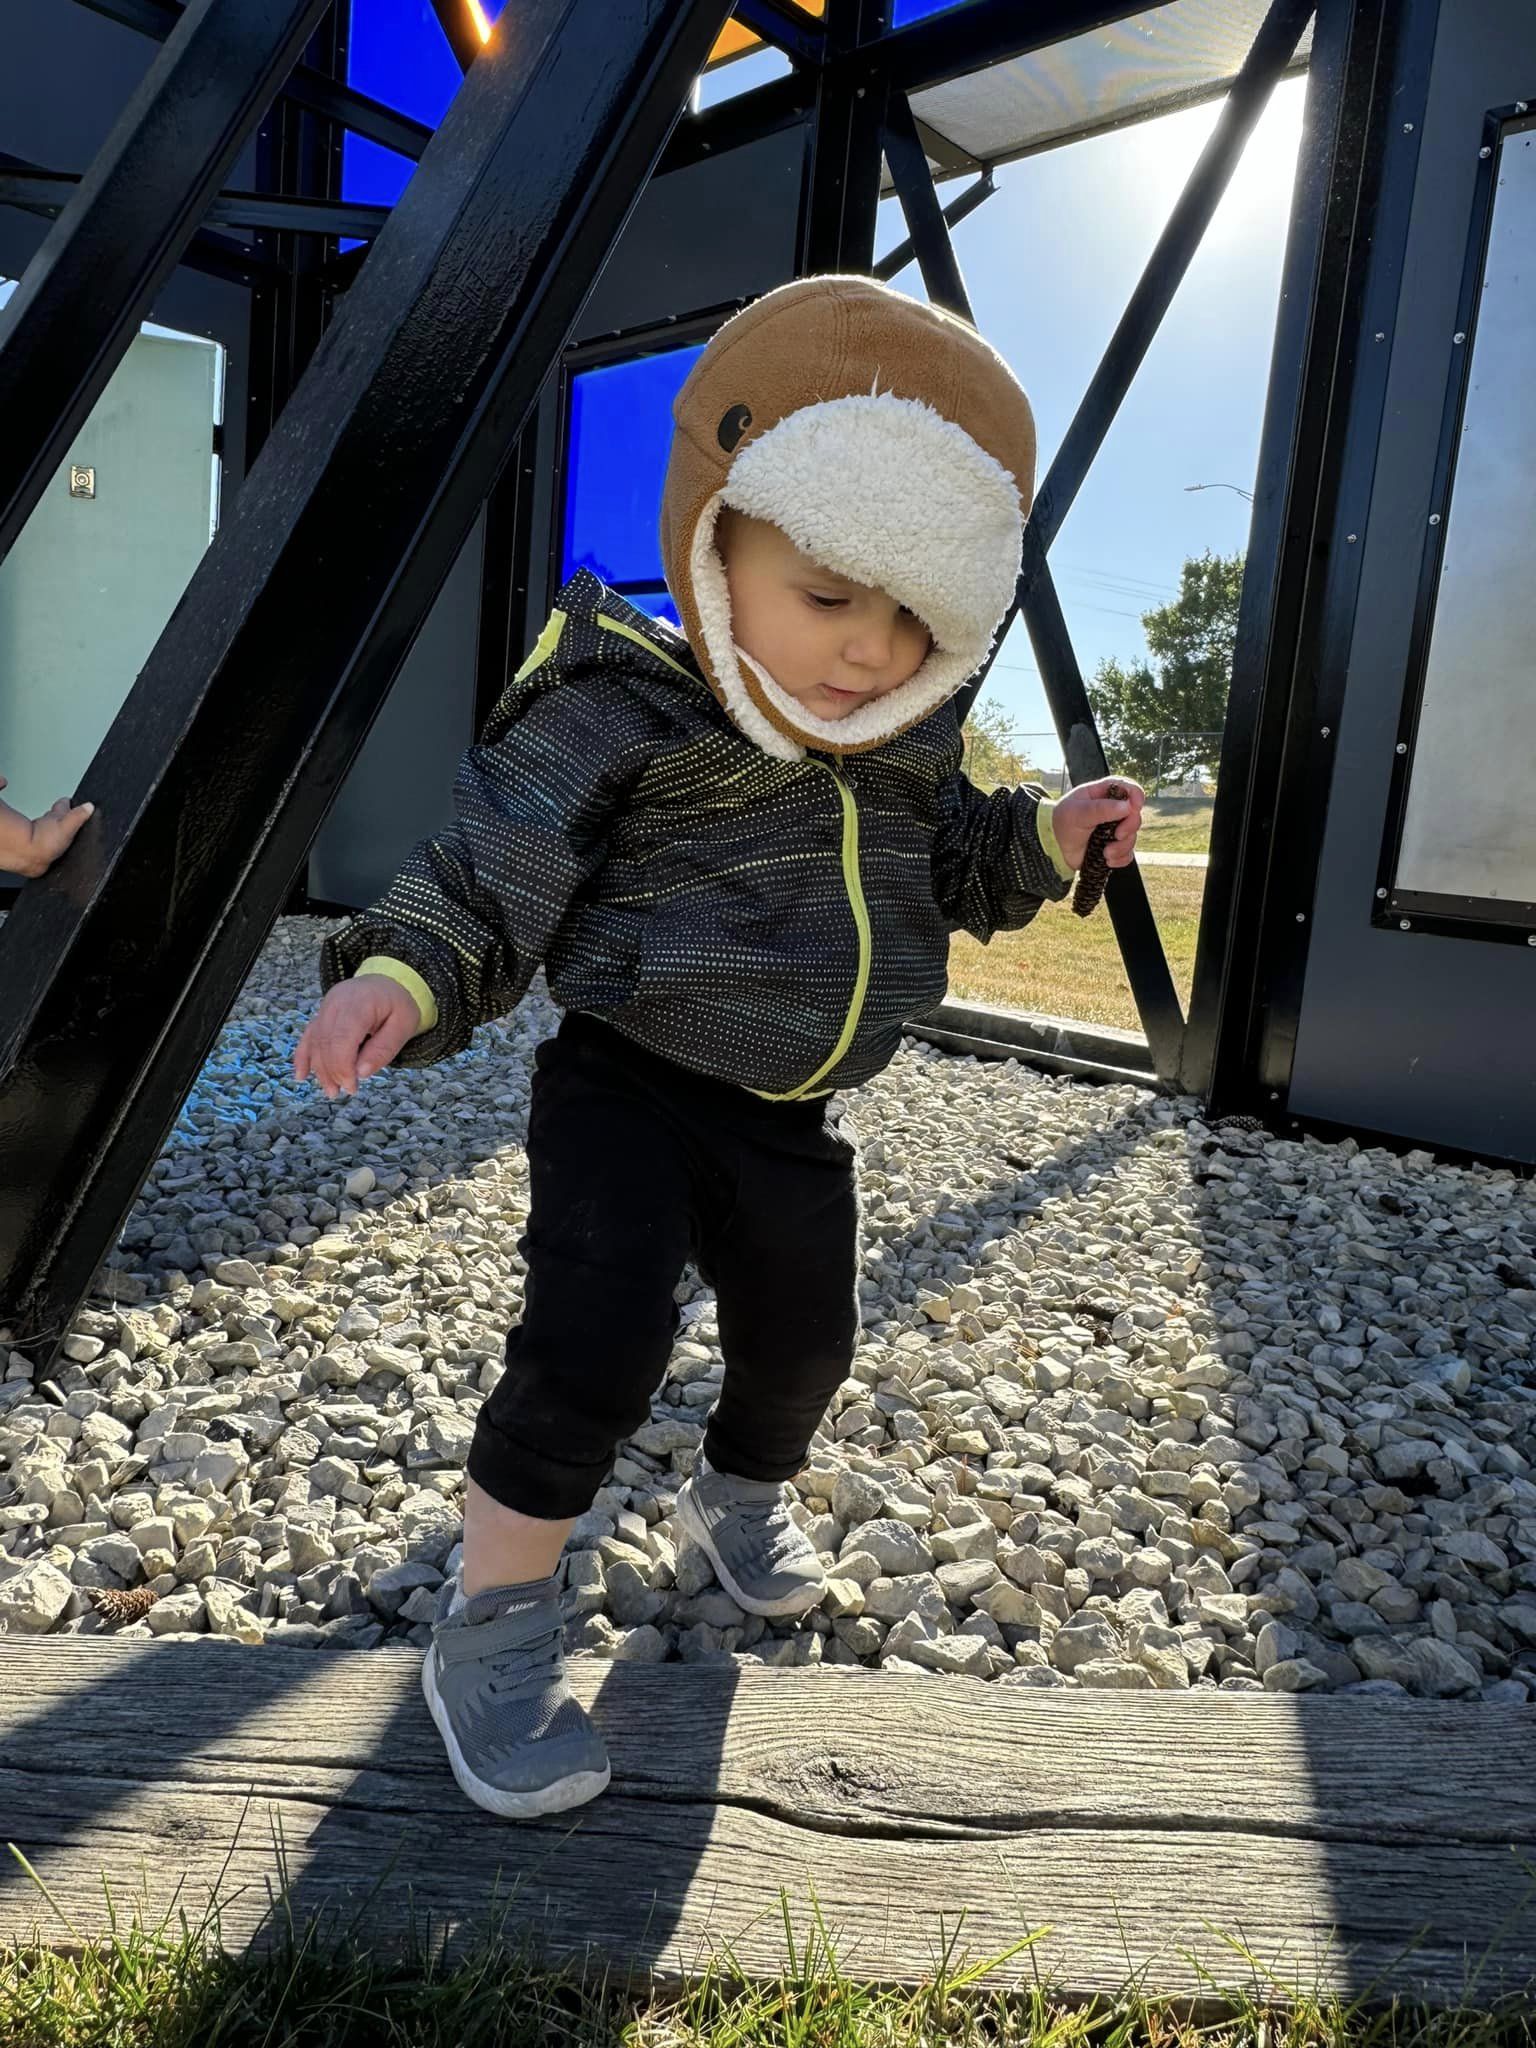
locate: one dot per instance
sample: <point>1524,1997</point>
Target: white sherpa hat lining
<point>886,492</point>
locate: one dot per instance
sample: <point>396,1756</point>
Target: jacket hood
<point>892,445</point>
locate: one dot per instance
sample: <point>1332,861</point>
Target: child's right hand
<point>371,1011</point>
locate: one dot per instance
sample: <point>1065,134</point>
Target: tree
<point>1161,727</point>
<point>992,758</point>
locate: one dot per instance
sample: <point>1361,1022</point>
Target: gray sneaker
<point>519,1742</point>
<point>743,1526</point>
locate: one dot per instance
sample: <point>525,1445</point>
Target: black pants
<point>637,1167</point>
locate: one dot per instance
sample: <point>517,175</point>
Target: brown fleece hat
<point>893,445</point>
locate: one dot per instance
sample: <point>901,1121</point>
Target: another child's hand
<point>1074,817</point>
<point>371,1011</point>
<point>30,846</point>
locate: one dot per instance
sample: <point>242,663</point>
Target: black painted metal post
<point>85,292</point>
<point>920,204</point>
<point>841,198</point>
<point>118,968</point>
<point>897,259</point>
<point>1355,184</point>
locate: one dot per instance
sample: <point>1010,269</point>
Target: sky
<point>1049,262</point>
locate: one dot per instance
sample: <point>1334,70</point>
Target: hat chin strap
<point>765,712</point>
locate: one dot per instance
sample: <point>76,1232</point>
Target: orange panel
<point>735,41</point>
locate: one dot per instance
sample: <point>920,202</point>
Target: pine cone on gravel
<point>1093,875</point>
<point>120,1607</point>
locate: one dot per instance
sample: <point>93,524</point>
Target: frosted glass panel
<point>1469,828</point>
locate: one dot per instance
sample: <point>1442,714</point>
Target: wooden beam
<point>1358,1847</point>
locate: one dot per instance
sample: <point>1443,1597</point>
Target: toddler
<point>739,852</point>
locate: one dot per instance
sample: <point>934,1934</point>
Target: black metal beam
<point>85,292</point>
<point>118,968</point>
<point>214,255</point>
<point>305,86</point>
<point>1130,912</point>
<point>786,27</point>
<point>731,124</point>
<point>986,32</point>
<point>1263,68</point>
<point>920,207</point>
<point>960,209</point>
<point>840,198</point>
<point>1364,113</point>
<point>49,192</point>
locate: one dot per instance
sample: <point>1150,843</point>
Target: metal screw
<point>1434,518</point>
<point>1381,334</point>
<point>1407,127</point>
<point>1327,731</point>
<point>1486,150</point>
<point>1301,917</point>
<point>1351,538</point>
<point>1404,925</point>
<point>1531,941</point>
<point>1458,338</point>
<point>1274,1094</point>
<point>1523,107</point>
<point>1381,895</point>
<point>1402,746</point>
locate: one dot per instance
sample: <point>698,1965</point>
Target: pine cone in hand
<point>120,1607</point>
<point>1093,875</point>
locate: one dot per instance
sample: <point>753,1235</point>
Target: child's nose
<point>871,646</point>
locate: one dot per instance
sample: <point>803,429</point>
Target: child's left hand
<point>1077,813</point>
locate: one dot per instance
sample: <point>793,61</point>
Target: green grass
<point>175,1986</point>
<point>1066,966</point>
<point>1176,825</point>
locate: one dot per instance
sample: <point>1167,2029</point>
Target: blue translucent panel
<point>617,438</point>
<point>399,54</point>
<point>918,10</point>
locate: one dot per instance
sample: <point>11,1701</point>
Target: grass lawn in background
<point>1176,824</point>
<point>1066,966</point>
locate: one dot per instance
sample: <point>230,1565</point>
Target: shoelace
<point>784,1537</point>
<point>525,1666</point>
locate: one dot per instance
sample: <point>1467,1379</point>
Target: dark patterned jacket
<point>767,922</point>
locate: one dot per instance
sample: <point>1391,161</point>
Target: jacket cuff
<point>409,980</point>
<point>1048,841</point>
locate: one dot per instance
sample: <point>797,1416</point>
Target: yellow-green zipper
<point>855,887</point>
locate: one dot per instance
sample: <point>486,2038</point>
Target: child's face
<point>830,644</point>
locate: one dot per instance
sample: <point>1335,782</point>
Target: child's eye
<point>826,604</point>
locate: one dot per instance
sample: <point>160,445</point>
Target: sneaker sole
<point>574,1790</point>
<point>793,1603</point>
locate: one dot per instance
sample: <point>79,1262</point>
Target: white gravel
<point>1137,1404</point>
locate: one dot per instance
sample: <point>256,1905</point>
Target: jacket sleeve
<point>995,858</point>
<point>473,910</point>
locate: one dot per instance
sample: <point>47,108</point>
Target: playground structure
<point>400,452</point>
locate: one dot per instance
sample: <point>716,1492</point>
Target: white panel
<point>1169,57</point>
<point>1470,824</point>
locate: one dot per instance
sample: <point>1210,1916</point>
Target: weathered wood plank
<point>1332,1835</point>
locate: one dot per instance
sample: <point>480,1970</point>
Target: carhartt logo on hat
<point>892,445</point>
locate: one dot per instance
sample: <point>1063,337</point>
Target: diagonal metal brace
<point>118,968</point>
